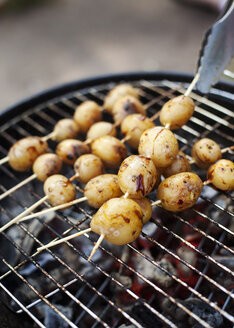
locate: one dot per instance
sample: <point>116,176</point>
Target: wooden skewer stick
<point>54,208</point>
<point>224,150</point>
<point>156,203</point>
<point>126,138</point>
<point>59,241</point>
<point>126,195</point>
<point>49,136</point>
<point>192,84</point>
<point>4,160</point>
<point>167,126</point>
<point>19,185</point>
<point>97,244</point>
<point>75,176</point>
<point>155,116</point>
<point>28,210</point>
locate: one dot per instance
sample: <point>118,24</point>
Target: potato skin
<point>179,191</point>
<point>110,149</point>
<point>24,152</point>
<point>102,188</point>
<point>46,165</point>
<point>118,92</point>
<point>160,145</point>
<point>180,164</point>
<point>87,114</point>
<point>137,176</point>
<point>133,126</point>
<point>125,106</point>
<point>100,129</point>
<point>59,189</point>
<point>146,208</point>
<point>66,128</point>
<point>119,219</point>
<point>221,175</point>
<point>70,149</point>
<point>205,152</point>
<point>88,166</point>
<point>177,112</point>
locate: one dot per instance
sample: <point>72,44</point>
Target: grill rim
<point>60,91</point>
<point>51,93</point>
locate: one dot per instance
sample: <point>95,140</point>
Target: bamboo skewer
<point>192,84</point>
<point>4,160</point>
<point>97,244</point>
<point>28,210</point>
<point>19,185</point>
<point>59,241</point>
<point>54,208</point>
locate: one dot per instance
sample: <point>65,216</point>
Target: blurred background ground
<point>57,41</point>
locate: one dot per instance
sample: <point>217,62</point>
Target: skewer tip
<point>97,244</point>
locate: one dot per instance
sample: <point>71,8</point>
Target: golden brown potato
<point>146,208</point>
<point>110,149</point>
<point>137,176</point>
<point>160,145</point>
<point>102,188</point>
<point>59,190</point>
<point>70,149</point>
<point>119,219</point>
<point>87,167</point>
<point>179,191</point>
<point>125,106</point>
<point>86,114</point>
<point>180,164</point>
<point>24,152</point>
<point>133,126</point>
<point>46,165</point>
<point>177,112</point>
<point>221,175</point>
<point>118,92</point>
<point>100,129</point>
<point>65,129</point>
<point>205,152</point>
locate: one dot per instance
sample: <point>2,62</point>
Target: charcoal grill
<point>76,293</point>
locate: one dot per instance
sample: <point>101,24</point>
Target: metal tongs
<point>217,50</point>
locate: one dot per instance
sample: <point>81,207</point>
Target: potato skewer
<point>176,193</point>
<point>206,152</point>
<point>118,221</point>
<point>44,166</point>
<point>178,110</point>
<point>24,152</point>
<point>106,224</point>
<point>181,191</point>
<point>136,178</point>
<point>31,147</point>
<point>58,190</point>
<point>61,193</point>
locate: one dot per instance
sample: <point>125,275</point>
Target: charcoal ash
<point>198,307</point>
<point>161,277</point>
<point>125,280</point>
<point>188,255</point>
<point>222,218</point>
